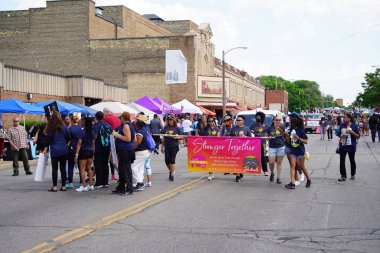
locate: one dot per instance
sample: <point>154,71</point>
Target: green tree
<point>302,93</point>
<point>370,97</point>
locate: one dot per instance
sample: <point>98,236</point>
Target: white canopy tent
<point>115,107</point>
<point>187,107</point>
<point>140,108</point>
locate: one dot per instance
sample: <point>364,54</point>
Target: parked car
<point>251,119</point>
<point>311,122</point>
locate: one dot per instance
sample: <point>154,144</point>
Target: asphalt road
<point>219,216</point>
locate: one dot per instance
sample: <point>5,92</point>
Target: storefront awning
<point>215,104</point>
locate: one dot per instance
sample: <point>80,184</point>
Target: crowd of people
<point>86,143</point>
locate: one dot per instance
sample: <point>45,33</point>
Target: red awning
<point>206,111</point>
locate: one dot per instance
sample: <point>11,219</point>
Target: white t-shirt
<point>186,125</point>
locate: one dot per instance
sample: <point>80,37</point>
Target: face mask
<point>258,119</point>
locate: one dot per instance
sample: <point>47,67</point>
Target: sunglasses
<point>277,120</point>
<point>239,120</point>
<point>16,121</point>
<point>210,121</point>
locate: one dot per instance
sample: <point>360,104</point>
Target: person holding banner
<point>170,144</point>
<point>75,134</point>
<point>226,126</point>
<point>201,126</point>
<point>58,138</point>
<point>276,147</point>
<point>211,130</point>
<point>240,130</point>
<point>125,148</point>
<point>258,130</point>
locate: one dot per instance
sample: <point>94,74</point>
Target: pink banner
<point>224,154</point>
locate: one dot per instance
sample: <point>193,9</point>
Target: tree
<point>370,97</point>
<point>301,92</point>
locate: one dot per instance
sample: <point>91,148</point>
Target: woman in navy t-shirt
<point>348,133</point>
<point>85,155</point>
<point>297,139</point>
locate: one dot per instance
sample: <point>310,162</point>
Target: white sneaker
<point>90,188</point>
<point>212,175</point>
<point>82,189</point>
<point>149,184</point>
<point>209,178</point>
<point>302,177</point>
<point>297,183</point>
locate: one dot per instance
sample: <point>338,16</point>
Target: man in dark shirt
<point>373,122</point>
<point>258,130</point>
<point>102,131</point>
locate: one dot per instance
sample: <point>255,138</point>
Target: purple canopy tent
<point>151,105</point>
<point>166,105</point>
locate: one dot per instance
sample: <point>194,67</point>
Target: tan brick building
<point>110,43</point>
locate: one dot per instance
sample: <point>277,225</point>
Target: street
<point>192,214</point>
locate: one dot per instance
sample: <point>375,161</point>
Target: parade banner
<point>224,154</point>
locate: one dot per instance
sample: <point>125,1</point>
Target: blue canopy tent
<point>64,108</point>
<point>16,106</point>
<point>89,111</point>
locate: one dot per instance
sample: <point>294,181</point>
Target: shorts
<point>85,154</point>
<point>276,152</point>
<point>297,156</point>
<point>170,154</point>
<point>287,149</point>
<point>148,170</point>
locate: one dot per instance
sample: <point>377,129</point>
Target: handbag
<point>3,134</point>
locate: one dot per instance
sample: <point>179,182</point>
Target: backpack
<point>150,142</point>
<point>104,135</point>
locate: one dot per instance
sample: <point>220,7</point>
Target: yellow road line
<point>80,232</point>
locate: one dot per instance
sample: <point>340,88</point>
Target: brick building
<point>277,100</point>
<point>110,43</point>
<point>339,101</point>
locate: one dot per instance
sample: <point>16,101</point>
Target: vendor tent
<point>140,108</point>
<point>187,107</point>
<point>89,111</point>
<point>151,105</point>
<point>207,111</point>
<point>64,108</point>
<point>166,105</point>
<point>16,106</point>
<point>115,107</point>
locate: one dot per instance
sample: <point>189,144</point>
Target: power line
<point>326,44</point>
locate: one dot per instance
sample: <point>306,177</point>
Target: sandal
<point>63,189</point>
<point>279,181</point>
<point>53,189</point>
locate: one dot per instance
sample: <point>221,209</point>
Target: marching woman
<point>58,137</point>
<point>276,147</point>
<point>240,130</point>
<point>85,155</point>
<point>348,133</point>
<point>258,130</point>
<point>297,139</point>
<point>170,144</point>
<point>125,148</point>
<point>211,130</point>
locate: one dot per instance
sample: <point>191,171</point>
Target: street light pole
<point>224,95</point>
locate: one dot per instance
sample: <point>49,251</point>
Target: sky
<point>332,42</point>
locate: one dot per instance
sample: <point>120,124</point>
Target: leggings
<point>62,167</point>
<point>170,154</point>
<point>264,163</point>
<point>71,163</point>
